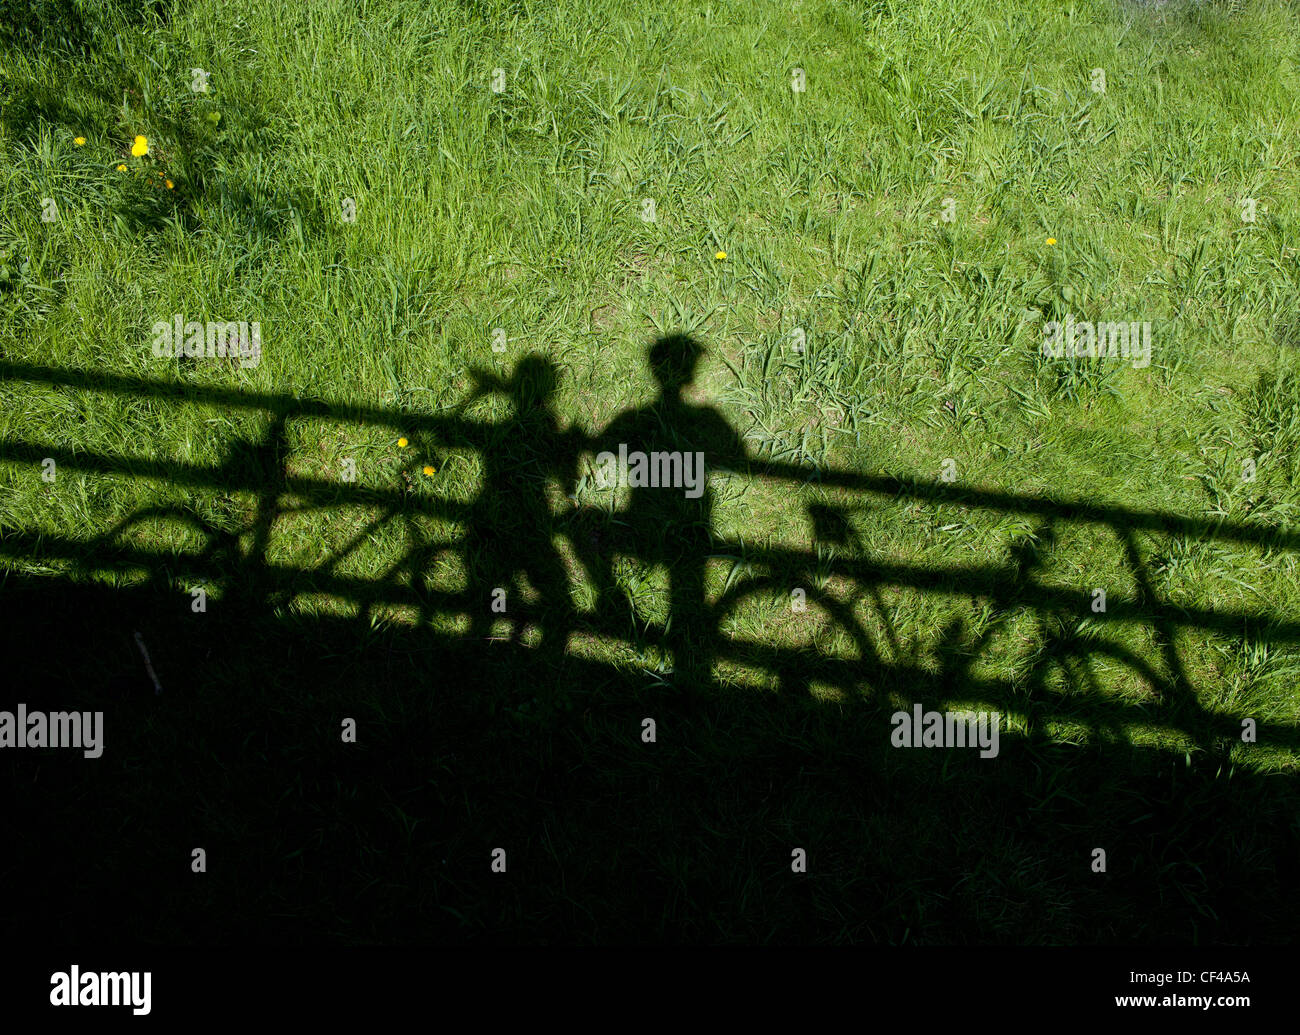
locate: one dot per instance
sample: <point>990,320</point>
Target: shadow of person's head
<point>673,360</point>
<point>534,382</point>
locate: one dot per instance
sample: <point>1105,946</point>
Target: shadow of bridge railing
<point>764,572</point>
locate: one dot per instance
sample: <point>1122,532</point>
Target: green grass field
<point>865,214</point>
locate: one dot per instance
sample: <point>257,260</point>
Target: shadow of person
<point>510,527</point>
<point>253,593</point>
<point>662,453</point>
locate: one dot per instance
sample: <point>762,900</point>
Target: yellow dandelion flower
<point>720,255</point>
<point>1051,240</point>
<point>121,168</point>
<point>140,147</point>
<point>169,183</point>
<point>401,442</point>
<point>78,140</point>
<point>428,471</point>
